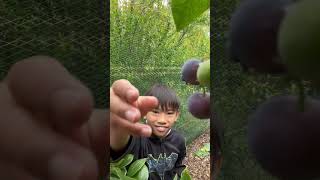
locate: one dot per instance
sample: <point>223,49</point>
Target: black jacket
<point>164,155</point>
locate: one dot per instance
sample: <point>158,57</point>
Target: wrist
<point>119,138</point>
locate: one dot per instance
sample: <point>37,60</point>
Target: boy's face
<point>161,120</point>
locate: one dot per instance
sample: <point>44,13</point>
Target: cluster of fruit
<point>196,72</point>
<point>282,37</point>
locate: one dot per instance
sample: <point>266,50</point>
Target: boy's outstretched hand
<point>127,108</point>
<point>48,127</point>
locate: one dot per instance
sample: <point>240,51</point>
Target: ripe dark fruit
<point>299,40</point>
<point>253,35</point>
<point>199,105</point>
<point>189,71</point>
<point>285,140</point>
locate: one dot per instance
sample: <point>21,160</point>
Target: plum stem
<point>301,95</point>
<point>204,91</point>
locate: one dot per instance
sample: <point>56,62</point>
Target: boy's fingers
<point>41,84</point>
<point>125,90</point>
<point>47,155</point>
<point>129,112</point>
<point>137,129</point>
<point>99,128</point>
<point>11,172</point>
<point>123,109</point>
<point>146,104</point>
<point>38,149</point>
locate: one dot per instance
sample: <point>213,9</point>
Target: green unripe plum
<point>299,40</point>
<point>203,73</point>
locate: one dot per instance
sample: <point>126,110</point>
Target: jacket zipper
<point>162,151</point>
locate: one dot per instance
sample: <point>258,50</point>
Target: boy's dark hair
<point>167,97</point>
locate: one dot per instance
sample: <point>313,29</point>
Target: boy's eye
<point>170,112</point>
<point>155,111</point>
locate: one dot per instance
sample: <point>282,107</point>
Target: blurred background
<point>74,32</point>
<point>236,96</point>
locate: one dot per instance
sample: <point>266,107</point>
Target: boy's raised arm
<point>126,109</point>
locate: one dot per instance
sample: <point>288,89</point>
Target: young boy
<point>165,148</point>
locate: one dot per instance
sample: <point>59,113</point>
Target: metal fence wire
<point>236,96</point>
<point>71,31</point>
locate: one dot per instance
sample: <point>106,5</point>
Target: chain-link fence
<point>146,49</point>
<point>71,31</point>
<point>236,96</point>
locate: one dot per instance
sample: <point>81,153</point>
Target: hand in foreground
<point>48,127</point>
<point>127,108</point>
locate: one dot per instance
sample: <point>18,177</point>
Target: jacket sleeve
<point>179,166</point>
<point>133,147</point>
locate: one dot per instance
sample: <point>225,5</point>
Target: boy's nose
<point>161,123</point>
<point>161,119</point>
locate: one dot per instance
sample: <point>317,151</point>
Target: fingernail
<point>62,167</point>
<point>70,108</point>
<point>131,95</point>
<point>146,131</point>
<point>130,115</point>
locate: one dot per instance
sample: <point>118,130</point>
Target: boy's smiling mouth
<point>161,128</point>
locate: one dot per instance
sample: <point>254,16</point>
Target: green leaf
<point>185,175</point>
<point>136,166</point>
<point>124,170</point>
<point>185,12</point>
<point>143,174</point>
<point>204,151</point>
<point>116,172</point>
<point>126,160</point>
<point>175,177</point>
<point>114,178</point>
<point>201,153</point>
<point>124,177</point>
<point>113,170</point>
<point>207,146</point>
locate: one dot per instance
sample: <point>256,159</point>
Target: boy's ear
<point>177,115</point>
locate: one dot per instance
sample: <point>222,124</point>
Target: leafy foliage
<point>185,175</point>
<point>127,169</point>
<point>185,12</point>
<point>203,151</point>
